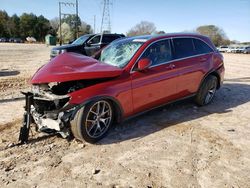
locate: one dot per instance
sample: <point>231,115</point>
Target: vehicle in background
<point>18,40</point>
<point>238,49</point>
<point>3,39</point>
<point>246,50</point>
<point>222,49</point>
<point>15,40</point>
<point>11,40</point>
<point>85,96</point>
<point>30,39</point>
<point>231,49</point>
<point>87,44</point>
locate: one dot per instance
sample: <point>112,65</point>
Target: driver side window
<point>95,40</point>
<point>159,52</point>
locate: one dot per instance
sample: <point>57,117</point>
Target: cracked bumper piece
<point>51,113</point>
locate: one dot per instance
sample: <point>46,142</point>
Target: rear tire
<point>207,91</point>
<point>93,121</point>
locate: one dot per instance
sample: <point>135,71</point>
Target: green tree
<point>42,28</point>
<point>216,34</point>
<point>27,23</point>
<point>14,26</point>
<point>4,18</point>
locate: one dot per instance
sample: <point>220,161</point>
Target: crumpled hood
<point>72,66</point>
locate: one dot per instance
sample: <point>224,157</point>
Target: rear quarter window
<point>201,47</point>
<point>183,47</point>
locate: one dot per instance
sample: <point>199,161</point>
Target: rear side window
<point>201,47</point>
<point>159,52</point>
<point>108,39</point>
<point>183,47</point>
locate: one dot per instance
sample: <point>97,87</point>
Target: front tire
<point>93,121</point>
<point>207,91</point>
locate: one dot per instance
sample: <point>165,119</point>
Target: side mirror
<point>144,64</point>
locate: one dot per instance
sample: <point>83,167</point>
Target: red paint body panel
<point>119,89</point>
<point>72,66</point>
<point>134,91</point>
<point>153,87</point>
<point>191,72</point>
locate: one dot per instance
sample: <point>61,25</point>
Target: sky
<point>233,16</point>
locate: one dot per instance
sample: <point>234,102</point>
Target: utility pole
<point>76,24</point>
<point>94,23</point>
<point>64,14</point>
<point>106,25</point>
<point>60,25</point>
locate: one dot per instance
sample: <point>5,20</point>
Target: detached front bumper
<point>49,115</point>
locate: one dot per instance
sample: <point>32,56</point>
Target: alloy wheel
<point>98,119</point>
<point>210,93</point>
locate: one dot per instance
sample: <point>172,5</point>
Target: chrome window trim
<point>131,70</point>
<point>181,59</point>
<point>174,60</point>
<point>193,37</point>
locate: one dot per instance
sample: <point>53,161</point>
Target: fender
<point>215,72</point>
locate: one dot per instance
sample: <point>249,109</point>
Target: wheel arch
<point>119,113</point>
<point>214,73</point>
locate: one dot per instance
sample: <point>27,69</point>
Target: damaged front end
<point>48,107</point>
<point>49,104</point>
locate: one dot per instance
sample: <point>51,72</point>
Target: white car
<point>246,50</point>
<point>232,50</point>
<point>222,49</point>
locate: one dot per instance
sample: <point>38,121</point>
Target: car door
<point>93,45</point>
<point>157,84</point>
<point>192,62</point>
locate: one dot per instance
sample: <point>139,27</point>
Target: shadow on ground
<point>12,99</point>
<point>228,97</point>
<point>6,72</point>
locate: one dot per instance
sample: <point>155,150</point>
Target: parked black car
<point>86,44</point>
<point>18,40</point>
<point>3,39</point>
<point>11,39</point>
<point>15,40</point>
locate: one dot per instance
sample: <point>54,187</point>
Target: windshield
<point>81,40</point>
<point>119,53</point>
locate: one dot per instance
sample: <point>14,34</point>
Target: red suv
<point>85,96</point>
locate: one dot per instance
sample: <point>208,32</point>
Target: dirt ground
<point>179,145</point>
